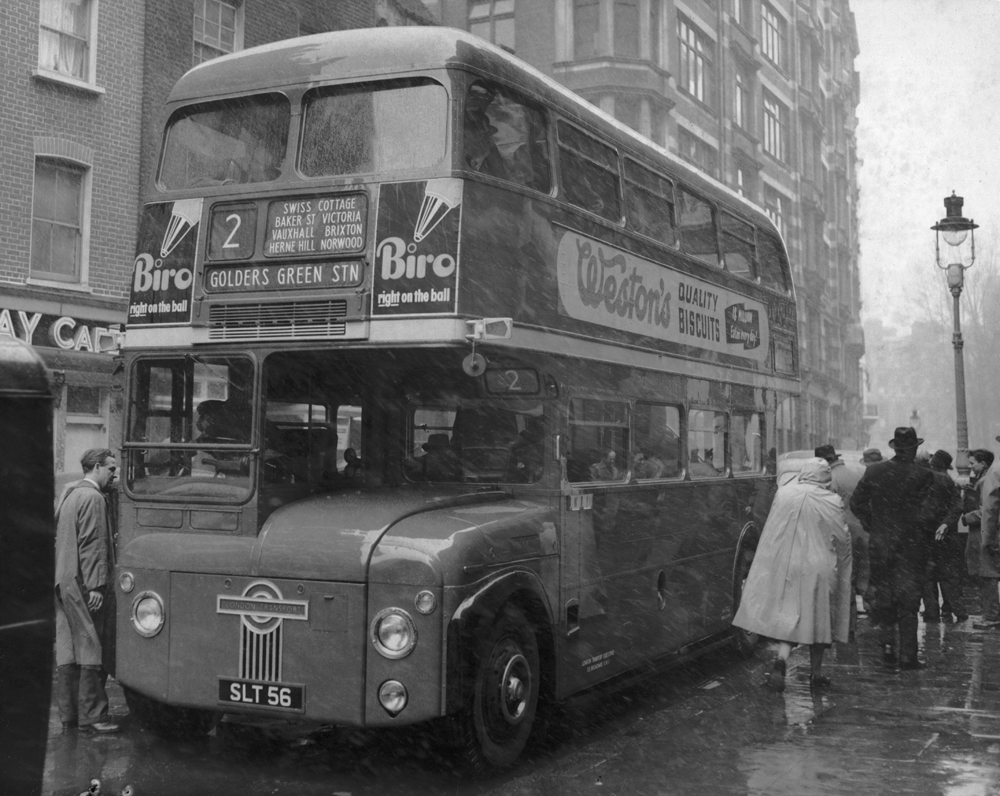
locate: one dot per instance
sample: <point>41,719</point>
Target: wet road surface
<point>709,728</point>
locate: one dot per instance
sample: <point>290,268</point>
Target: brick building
<point>69,187</point>
<point>760,94</point>
<point>83,88</point>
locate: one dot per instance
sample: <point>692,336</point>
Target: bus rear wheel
<point>505,697</point>
<point>167,721</point>
<point>746,642</point>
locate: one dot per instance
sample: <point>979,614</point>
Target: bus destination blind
<point>268,277</point>
<point>316,225</point>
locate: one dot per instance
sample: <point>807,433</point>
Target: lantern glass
<point>956,275</point>
<point>955,237</point>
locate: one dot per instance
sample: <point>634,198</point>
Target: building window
<point>696,74</point>
<point>775,127</point>
<point>696,151</point>
<point>745,185</point>
<point>586,27</point>
<point>743,111</point>
<point>775,205</point>
<point>216,29</point>
<point>65,39</point>
<point>493,20</point>
<point>741,12</point>
<point>628,111</point>
<point>773,35</point>
<point>627,28</point>
<point>57,221</point>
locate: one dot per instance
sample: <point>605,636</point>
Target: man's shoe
<point>101,728</point>
<point>912,665</point>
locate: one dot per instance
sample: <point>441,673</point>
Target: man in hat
<point>989,552</point>
<point>945,559</point>
<point>871,456</point>
<point>891,502</point>
<point>844,482</point>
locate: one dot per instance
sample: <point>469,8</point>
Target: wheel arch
<point>476,615</point>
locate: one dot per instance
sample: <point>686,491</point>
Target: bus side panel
<point>656,577</point>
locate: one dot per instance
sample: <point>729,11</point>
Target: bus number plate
<point>280,696</point>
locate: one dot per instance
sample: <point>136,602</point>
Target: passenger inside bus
<point>438,463</point>
<point>481,152</point>
<point>218,423</point>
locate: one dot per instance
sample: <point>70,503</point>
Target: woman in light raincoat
<point>798,589</point>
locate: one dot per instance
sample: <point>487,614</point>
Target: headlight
<point>425,602</point>
<point>126,582</point>
<point>148,615</point>
<point>393,633</point>
<point>392,695</point>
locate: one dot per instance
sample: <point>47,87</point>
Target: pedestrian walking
<point>799,585</point>
<point>844,482</point>
<point>944,562</point>
<point>83,576</point>
<point>989,550</point>
<point>980,461</point>
<point>890,500</point>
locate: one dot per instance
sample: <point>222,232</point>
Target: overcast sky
<point>928,124</point>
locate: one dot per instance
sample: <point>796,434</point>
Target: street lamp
<point>955,229</point>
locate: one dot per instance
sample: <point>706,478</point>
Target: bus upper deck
<point>310,190</point>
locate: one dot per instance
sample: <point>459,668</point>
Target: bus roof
<point>372,52</point>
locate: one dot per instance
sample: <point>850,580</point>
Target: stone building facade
<point>761,94</point>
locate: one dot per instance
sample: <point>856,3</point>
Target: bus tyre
<point>746,642</point>
<point>505,697</point>
<point>168,721</point>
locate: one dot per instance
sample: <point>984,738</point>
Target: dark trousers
<point>80,694</point>
<point>895,595</point>
<point>944,569</point>
<point>990,599</point>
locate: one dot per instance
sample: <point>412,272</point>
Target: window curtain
<point>65,26</point>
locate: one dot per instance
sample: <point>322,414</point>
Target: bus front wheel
<point>505,697</point>
<point>168,721</point>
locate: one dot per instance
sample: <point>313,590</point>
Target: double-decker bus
<point>448,396</point>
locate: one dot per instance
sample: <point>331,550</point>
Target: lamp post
<point>955,229</point>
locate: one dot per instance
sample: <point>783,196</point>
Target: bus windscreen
<point>234,141</point>
<point>368,128</point>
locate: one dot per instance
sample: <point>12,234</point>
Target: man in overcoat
<point>944,565</point>
<point>891,502</point>
<point>83,577</point>
<point>989,552</point>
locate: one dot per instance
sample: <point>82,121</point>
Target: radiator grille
<point>273,321</point>
<point>260,654</point>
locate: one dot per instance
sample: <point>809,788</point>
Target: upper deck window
<point>649,203</point>
<point>241,140</point>
<point>505,137</point>
<point>738,248</point>
<point>697,225</point>
<point>773,263</point>
<point>588,173</point>
<point>368,128</point>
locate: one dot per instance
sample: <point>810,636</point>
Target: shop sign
<point>50,331</point>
